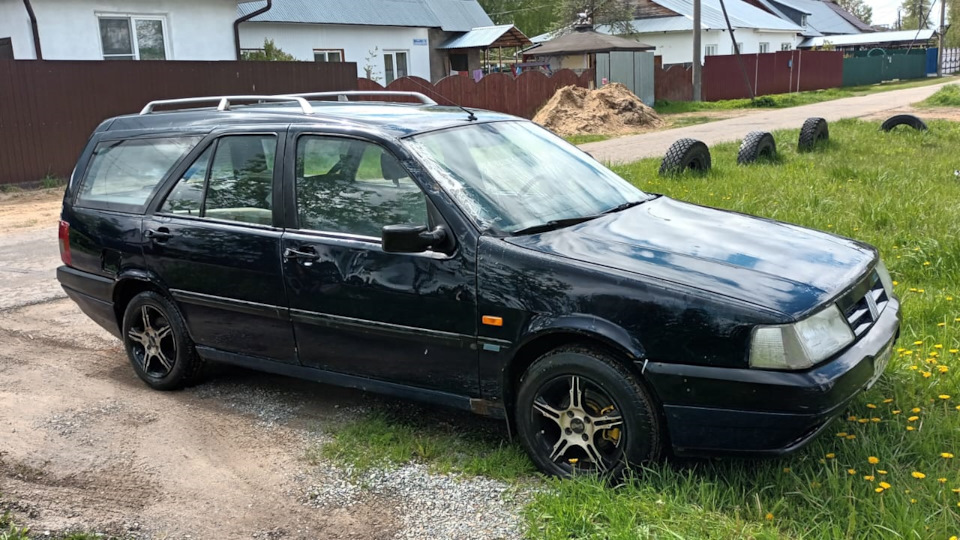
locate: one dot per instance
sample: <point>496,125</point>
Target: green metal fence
<point>884,66</point>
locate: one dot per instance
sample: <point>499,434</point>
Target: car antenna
<point>470,116</point>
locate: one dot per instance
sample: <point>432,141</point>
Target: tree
<point>532,17</point>
<point>916,14</point>
<point>615,14</point>
<point>269,53</point>
<point>857,8</point>
<point>952,37</point>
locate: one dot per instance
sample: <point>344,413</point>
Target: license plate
<point>880,364</point>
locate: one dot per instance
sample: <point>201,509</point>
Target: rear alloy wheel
<point>580,411</point>
<point>157,343</point>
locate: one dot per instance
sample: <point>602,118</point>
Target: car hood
<point>770,264</point>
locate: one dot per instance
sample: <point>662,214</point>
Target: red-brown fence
<point>520,96</point>
<point>49,108</point>
<point>769,73</point>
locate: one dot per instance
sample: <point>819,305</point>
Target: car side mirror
<point>411,238</point>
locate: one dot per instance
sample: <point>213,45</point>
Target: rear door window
<point>232,180</point>
<point>123,174</point>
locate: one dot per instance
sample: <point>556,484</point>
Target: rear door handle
<point>304,255</point>
<point>161,234</point>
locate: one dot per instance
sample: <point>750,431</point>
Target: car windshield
<point>516,177</point>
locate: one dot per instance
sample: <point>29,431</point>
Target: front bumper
<point>712,410</point>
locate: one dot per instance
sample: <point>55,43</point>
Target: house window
<point>786,46</point>
<point>764,47</point>
<point>394,65</point>
<point>335,55</point>
<point>710,50</point>
<point>133,38</point>
<point>459,62</point>
<point>6,49</point>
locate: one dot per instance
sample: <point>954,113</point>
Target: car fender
<point>589,326</point>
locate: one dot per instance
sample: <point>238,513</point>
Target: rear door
<point>400,317</point>
<point>214,242</point>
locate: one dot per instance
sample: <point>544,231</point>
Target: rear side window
<point>124,173</point>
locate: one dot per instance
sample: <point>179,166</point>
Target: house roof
<point>505,35</point>
<point>823,17</point>
<point>742,15</point>
<point>449,15</point>
<point>873,38</point>
<point>587,41</point>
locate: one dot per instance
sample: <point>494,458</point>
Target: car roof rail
<point>224,102</point>
<point>346,94</point>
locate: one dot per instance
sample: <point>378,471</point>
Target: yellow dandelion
<point>941,324</point>
<point>884,485</point>
<point>874,419</point>
<point>852,418</point>
<point>942,480</point>
<point>913,419</point>
<point>918,475</point>
<point>871,406</point>
<point>851,436</point>
<point>908,352</point>
<point>868,478</point>
<point>863,420</point>
<point>913,501</point>
<point>878,490</point>
<point>915,409</point>
<point>926,374</point>
<point>946,455</point>
<point>955,490</point>
<point>873,460</point>
<point>769,516</point>
<point>881,471</point>
<point>938,345</point>
<point>831,455</point>
<point>851,472</point>
<point>888,400</point>
<point>910,428</point>
<point>926,263</point>
<point>958,407</point>
<point>918,342</point>
<point>943,369</point>
<point>954,351</point>
<point>896,411</point>
<point>944,396</point>
<point>921,290</point>
<point>842,434</point>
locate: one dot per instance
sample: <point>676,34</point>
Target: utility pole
<point>696,50</point>
<point>943,20</point>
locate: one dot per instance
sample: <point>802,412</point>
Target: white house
<point>118,29</point>
<point>387,39</point>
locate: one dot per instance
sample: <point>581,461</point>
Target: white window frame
<point>326,54</point>
<point>132,19</point>
<point>393,53</point>
<point>764,47</point>
<point>710,50</point>
<point>786,46</point>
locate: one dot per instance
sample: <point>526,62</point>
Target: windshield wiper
<point>553,225</point>
<point>624,206</point>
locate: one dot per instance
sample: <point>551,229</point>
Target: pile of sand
<point>612,110</point>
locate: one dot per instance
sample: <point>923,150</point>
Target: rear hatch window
<point>123,174</point>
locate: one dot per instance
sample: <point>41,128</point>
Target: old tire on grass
<point>157,344</point>
<point>684,155</point>
<point>757,145</point>
<point>904,120</point>
<point>813,132</point>
<point>581,411</point>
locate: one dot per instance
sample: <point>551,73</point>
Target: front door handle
<point>161,234</point>
<point>304,255</point>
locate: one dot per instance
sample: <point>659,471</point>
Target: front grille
<point>864,304</point>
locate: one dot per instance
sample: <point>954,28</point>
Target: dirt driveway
<point>84,445</point>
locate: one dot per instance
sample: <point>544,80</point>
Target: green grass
<point>947,96</point>
<point>453,442</point>
<point>779,101</point>
<point>586,138</point>
<point>896,191</point>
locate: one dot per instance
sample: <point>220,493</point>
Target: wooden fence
<point>520,96</point>
<point>49,108</point>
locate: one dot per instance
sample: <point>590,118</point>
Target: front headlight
<point>885,278</point>
<point>802,344</point>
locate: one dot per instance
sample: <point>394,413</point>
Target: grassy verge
<point>779,101</point>
<point>896,191</point>
<point>948,96</point>
<point>587,138</point>
<point>447,441</point>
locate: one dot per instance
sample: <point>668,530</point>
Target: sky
<point>885,11</point>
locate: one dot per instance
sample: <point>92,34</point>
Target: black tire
<point>157,343</point>
<point>757,145</point>
<point>813,132</point>
<point>684,155</point>
<point>557,438</point>
<point>903,120</point>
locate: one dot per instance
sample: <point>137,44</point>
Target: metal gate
<point>631,68</point>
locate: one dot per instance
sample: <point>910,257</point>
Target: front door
<point>407,318</point>
<point>213,243</point>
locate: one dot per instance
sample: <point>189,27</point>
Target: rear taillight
<point>64,235</point>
